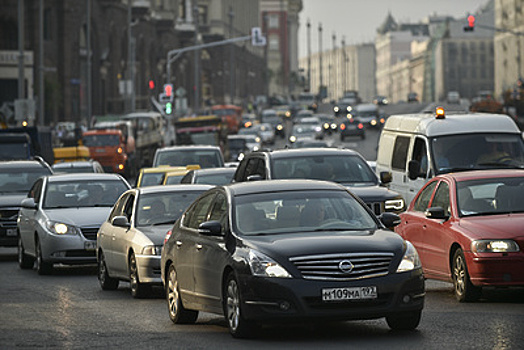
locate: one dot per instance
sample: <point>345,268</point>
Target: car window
<point>199,211</point>
<point>400,153</point>
<point>422,201</point>
<point>36,191</point>
<point>219,210</point>
<point>20,180</point>
<point>128,207</point>
<point>118,207</point>
<point>441,198</point>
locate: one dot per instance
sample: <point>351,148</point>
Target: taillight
<point>360,126</point>
<point>342,126</point>
<point>168,234</point>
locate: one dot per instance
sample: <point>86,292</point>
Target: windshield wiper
<point>503,165</point>
<point>164,222</point>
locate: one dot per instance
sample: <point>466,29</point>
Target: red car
<point>468,228</point>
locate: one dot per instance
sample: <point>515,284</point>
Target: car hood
<point>372,193</point>
<point>82,217</point>
<point>311,243</point>
<point>12,200</point>
<point>156,233</point>
<point>494,226</point>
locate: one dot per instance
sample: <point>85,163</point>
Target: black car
<point>16,178</point>
<point>289,250</point>
<point>214,176</point>
<point>352,127</point>
<point>343,166</point>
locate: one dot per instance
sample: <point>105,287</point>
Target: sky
<point>358,20</point>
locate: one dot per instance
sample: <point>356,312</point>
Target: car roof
<point>15,164</point>
<point>187,147</point>
<point>169,169</point>
<point>285,153</point>
<point>251,187</point>
<point>221,170</point>
<point>483,174</point>
<point>75,164</point>
<point>84,176</point>
<point>173,188</point>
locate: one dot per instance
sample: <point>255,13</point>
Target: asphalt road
<point>68,310</point>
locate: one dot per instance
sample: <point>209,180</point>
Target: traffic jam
<point>295,209</point>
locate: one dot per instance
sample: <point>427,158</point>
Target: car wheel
<point>177,312</point>
<point>106,282</point>
<point>24,261</point>
<point>238,326</point>
<point>363,136</point>
<point>405,321</point>
<point>464,289</point>
<point>138,289</point>
<point>42,267</point>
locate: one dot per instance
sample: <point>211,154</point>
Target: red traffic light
<point>471,21</point>
<point>151,85</point>
<point>168,90</point>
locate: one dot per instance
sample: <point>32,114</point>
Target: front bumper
<point>496,269</point>
<point>67,249</point>
<point>273,299</point>
<point>149,268</point>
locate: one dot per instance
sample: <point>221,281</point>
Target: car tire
<point>404,321</point>
<point>138,289</point>
<point>363,136</point>
<point>238,326</point>
<point>106,282</point>
<point>177,312</point>
<point>24,261</point>
<point>464,290</point>
<point>42,267</point>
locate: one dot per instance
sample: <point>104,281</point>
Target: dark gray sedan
<point>130,240</point>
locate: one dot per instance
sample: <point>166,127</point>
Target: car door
<point>106,234</point>
<point>187,244</point>
<point>210,256</point>
<point>121,238</point>
<point>27,218</point>
<point>413,222</point>
<point>399,182</point>
<point>438,234</point>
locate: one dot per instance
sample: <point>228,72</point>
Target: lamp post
<point>231,15</point>
<point>197,63</point>
<point>320,65</point>
<point>308,25</point>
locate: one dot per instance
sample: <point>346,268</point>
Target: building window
<point>273,21</point>
<point>47,24</point>
<point>273,42</point>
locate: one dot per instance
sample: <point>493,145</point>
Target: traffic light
<point>168,90</point>
<point>151,85</point>
<point>471,24</point>
<point>169,108</point>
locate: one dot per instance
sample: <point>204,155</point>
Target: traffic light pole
<point>173,55</point>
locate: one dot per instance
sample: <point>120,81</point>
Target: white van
<point>415,147</point>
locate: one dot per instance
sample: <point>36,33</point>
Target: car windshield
<point>164,207</point>
<point>88,193</point>
<point>299,212</point>
<point>345,169</point>
<point>215,179</point>
<point>101,140</point>
<point>477,151</point>
<point>204,158</point>
<point>20,180</point>
<point>152,179</point>
<point>74,169</point>
<point>490,196</point>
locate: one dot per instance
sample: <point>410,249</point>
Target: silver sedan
<point>130,241</point>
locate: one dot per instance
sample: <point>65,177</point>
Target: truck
<point>26,143</point>
<point>202,130</point>
<point>231,116</point>
<point>108,147</point>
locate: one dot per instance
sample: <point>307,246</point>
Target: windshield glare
<point>490,196</point>
<point>300,211</point>
<point>67,194</point>
<point>163,208</point>
<point>338,168</point>
<point>477,151</point>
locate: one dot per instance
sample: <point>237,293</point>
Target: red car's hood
<point>494,226</point>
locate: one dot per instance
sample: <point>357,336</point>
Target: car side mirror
<point>413,169</point>
<point>389,220</point>
<point>436,213</point>
<point>28,203</point>
<point>210,228</point>
<point>120,221</point>
<point>385,177</point>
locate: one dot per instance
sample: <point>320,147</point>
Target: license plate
<point>90,245</point>
<point>355,293</point>
<point>10,232</point>
<point>100,150</point>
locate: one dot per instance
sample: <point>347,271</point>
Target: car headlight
<point>152,250</point>
<point>336,109</point>
<point>60,228</point>
<point>410,260</point>
<point>349,108</point>
<point>494,246</point>
<point>280,127</point>
<point>263,266</point>
<point>394,204</point>
<point>292,138</point>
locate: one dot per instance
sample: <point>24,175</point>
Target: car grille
<point>89,232</point>
<point>343,267</point>
<point>7,215</point>
<point>376,207</point>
